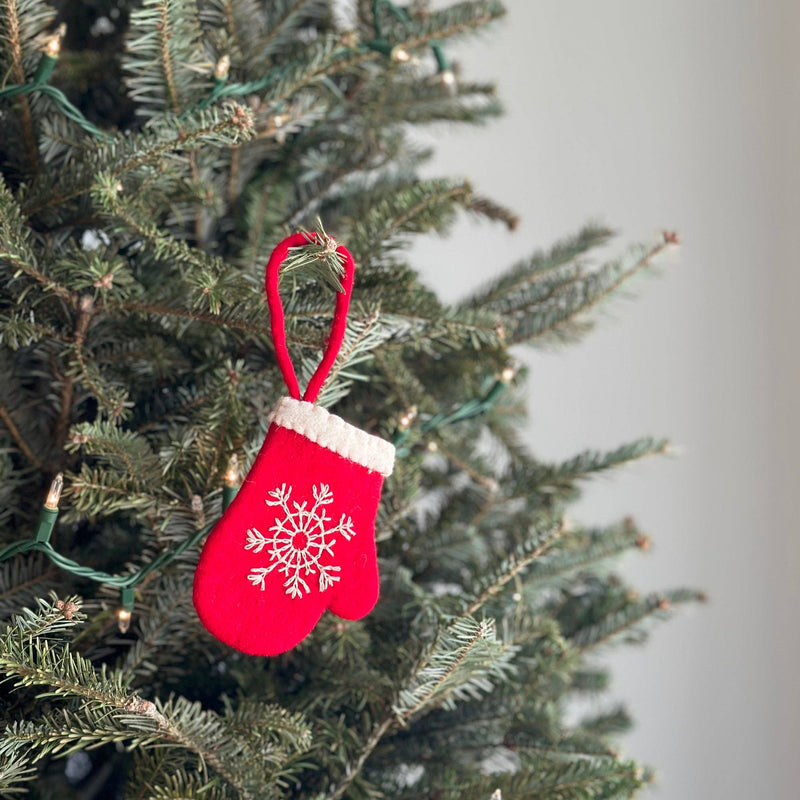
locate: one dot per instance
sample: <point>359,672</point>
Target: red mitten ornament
<point>299,537</point>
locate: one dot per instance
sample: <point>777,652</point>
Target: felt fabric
<point>298,538</point>
<point>335,434</point>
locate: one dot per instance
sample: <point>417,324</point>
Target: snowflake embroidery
<point>297,541</point>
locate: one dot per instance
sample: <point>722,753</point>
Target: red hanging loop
<point>277,317</point>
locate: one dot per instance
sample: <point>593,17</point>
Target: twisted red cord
<point>277,322</point>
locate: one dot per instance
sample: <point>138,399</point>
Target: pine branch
<point>22,580</point>
<point>113,399</point>
<point>173,782</point>
<point>163,56</point>
<point>490,209</point>
<point>21,329</point>
<point>283,19</point>
<point>326,57</point>
<point>133,156</point>
<point>504,293</point>
<point>576,779</point>
<point>461,664</point>
<point>14,770</point>
<point>453,21</point>
<point>524,556</point>
<point>583,549</point>
<point>24,447</point>
<point>429,328</point>
<point>61,426</point>
<point>97,491</point>
<point>398,99</point>
<point>126,452</point>
<point>16,249</point>
<point>205,270</point>
<point>355,769</point>
<point>403,208</point>
<point>560,478</point>
<point>225,319</point>
<point>363,336</point>
<point>20,22</point>
<point>628,622</point>
<point>109,713</point>
<point>563,312</point>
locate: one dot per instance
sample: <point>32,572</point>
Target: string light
<point>222,68</point>
<point>448,78</point>
<point>231,484</point>
<point>53,45</point>
<point>406,419</point>
<point>470,408</point>
<point>54,495</point>
<point>232,473</point>
<point>49,511</point>
<point>124,617</point>
<point>50,54</point>
<point>125,609</point>
<point>220,88</point>
<point>126,583</point>
<point>445,73</point>
<point>507,375</point>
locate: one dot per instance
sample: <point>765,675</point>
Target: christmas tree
<point>152,155</point>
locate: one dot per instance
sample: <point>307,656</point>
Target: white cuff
<point>333,433</point>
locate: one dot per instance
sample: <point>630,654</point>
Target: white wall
<point>647,115</point>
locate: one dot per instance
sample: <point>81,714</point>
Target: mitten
<point>299,537</point>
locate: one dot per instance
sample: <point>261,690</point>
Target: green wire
<point>467,410</point>
<point>121,581</point>
<point>58,97</point>
<point>221,87</point>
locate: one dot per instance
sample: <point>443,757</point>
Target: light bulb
<point>401,55</point>
<point>222,68</point>
<point>232,473</point>
<point>448,78</point>
<point>124,619</point>
<point>54,495</point>
<point>53,44</point>
<point>404,423</point>
<point>507,375</point>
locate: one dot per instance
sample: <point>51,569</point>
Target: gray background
<point>650,115</point>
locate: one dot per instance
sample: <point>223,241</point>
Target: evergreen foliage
<point>135,222</point>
